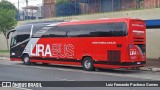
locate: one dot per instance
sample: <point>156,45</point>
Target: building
<point>77,7</point>
<point>49,8</point>
<point>33,12</point>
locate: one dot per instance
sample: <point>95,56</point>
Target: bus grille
<point>114,55</point>
<point>138,40</point>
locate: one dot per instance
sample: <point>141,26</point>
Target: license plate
<point>138,62</point>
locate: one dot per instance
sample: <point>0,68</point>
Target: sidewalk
<point>151,65</point>
<point>4,54</point>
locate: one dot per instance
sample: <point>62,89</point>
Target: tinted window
<point>88,30</point>
<point>79,33</point>
<point>38,27</point>
<point>42,32</point>
<point>14,39</point>
<point>55,31</point>
<point>97,30</point>
<point>119,29</point>
<point>23,32</point>
<point>77,30</point>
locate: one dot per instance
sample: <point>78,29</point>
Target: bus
<point>104,43</point>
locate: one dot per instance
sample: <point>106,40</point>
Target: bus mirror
<point>8,33</point>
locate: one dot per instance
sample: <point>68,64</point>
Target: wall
<point>153,43</point>
<point>3,43</point>
<point>49,10</point>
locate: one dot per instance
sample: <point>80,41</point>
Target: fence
<point>80,7</point>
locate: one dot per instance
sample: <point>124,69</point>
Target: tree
<point>7,17</point>
<point>7,5</point>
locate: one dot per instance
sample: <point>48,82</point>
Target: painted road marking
<point>23,88</point>
<point>63,79</point>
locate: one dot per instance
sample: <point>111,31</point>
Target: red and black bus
<point>104,43</point>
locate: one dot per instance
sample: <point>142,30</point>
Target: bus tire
<point>88,64</point>
<point>26,60</point>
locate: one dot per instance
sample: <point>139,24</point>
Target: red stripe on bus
<point>55,62</point>
<point>15,59</point>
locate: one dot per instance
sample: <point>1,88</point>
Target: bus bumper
<point>120,65</point>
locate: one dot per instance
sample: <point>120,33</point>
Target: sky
<point>22,3</point>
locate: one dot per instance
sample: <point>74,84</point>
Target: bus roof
<point>42,22</point>
<point>96,21</point>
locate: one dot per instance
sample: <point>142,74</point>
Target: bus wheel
<point>88,64</point>
<point>26,60</point>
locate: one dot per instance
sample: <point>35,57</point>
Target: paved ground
<point>153,63</point>
<point>16,71</point>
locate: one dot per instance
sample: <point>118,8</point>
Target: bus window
<point>37,28</point>
<point>13,41</point>
<point>41,33</point>
<point>101,30</point>
<point>97,30</point>
<point>79,33</point>
<point>21,38</point>
<point>23,33</point>
<point>55,32</point>
<point>119,29</point>
<point>90,30</point>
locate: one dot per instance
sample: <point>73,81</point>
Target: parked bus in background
<point>105,43</point>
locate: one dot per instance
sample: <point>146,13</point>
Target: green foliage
<point>61,1</point>
<point>4,51</point>
<point>7,20</point>
<point>7,17</point>
<point>7,5</point>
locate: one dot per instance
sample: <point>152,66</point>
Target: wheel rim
<point>26,59</point>
<point>87,64</point>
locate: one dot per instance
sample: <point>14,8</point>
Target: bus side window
<point>109,29</point>
<point>13,40</point>
<point>95,30</point>
<point>23,33</point>
<point>55,32</point>
<point>119,29</point>
<point>101,30</point>
<point>78,31</point>
<point>37,28</point>
<point>90,30</point>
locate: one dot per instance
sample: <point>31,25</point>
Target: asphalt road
<point>16,71</point>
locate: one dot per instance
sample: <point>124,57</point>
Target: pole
<point>27,9</point>
<point>18,11</point>
<point>75,7</point>
<point>112,5</point>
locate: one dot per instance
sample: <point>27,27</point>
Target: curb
<point>4,54</point>
<point>4,58</point>
<point>155,69</point>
